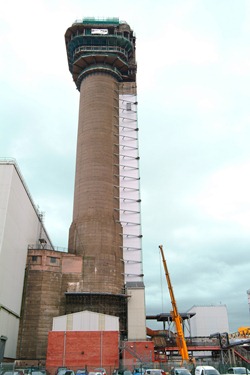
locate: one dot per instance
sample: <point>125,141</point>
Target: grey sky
<point>193,92</point>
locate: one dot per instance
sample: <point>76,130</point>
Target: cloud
<point>225,196</point>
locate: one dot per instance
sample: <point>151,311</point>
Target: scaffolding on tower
<point>129,185</point>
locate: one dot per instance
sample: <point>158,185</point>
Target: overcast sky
<point>193,113</point>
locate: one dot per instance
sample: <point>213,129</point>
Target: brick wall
<point>78,349</point>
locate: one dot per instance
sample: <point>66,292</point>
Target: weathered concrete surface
<point>95,232</point>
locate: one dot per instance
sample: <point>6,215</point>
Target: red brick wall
<point>133,350</point>
<point>77,349</point>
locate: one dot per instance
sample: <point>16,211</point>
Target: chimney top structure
<point>103,45</point>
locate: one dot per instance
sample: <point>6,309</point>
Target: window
<point>128,106</point>
<point>52,260</point>
<point>34,258</point>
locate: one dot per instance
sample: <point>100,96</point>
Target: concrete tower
<point>106,229</point>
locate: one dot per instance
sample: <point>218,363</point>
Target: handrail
<point>47,247</point>
<point>241,356</point>
<point>101,48</point>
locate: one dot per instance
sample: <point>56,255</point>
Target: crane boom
<point>180,338</point>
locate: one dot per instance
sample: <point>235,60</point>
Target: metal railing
<point>47,246</point>
<point>101,49</point>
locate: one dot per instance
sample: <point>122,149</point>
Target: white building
<point>85,321</point>
<point>20,225</point>
<point>248,297</point>
<point>208,319</point>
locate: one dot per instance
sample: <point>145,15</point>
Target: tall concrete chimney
<point>105,229</point>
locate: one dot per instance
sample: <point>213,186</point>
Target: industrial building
<point>248,298</point>
<point>102,270</point>
<point>208,319</point>
<point>21,224</point>
<point>86,306</point>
